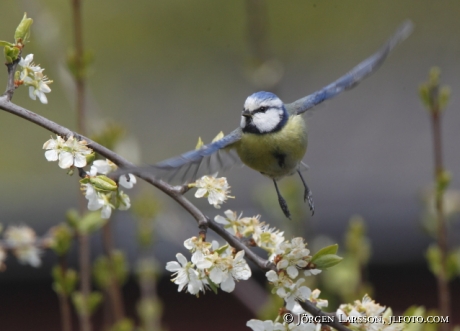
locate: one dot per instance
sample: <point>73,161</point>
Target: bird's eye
<point>262,109</point>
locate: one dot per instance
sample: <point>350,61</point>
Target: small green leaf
<point>433,256</point>
<point>219,136</point>
<point>22,33</point>
<point>199,144</point>
<point>213,286</point>
<point>5,43</point>
<point>91,222</point>
<point>73,218</point>
<point>124,325</point>
<point>94,300</point>
<point>326,261</point>
<point>62,239</point>
<point>103,183</point>
<point>332,249</point>
<point>222,249</point>
<point>11,53</point>
<point>90,158</point>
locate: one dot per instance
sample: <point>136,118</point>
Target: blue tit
<point>272,136</point>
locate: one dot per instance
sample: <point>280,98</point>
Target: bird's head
<point>263,112</point>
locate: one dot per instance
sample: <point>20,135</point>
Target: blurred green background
<point>171,71</point>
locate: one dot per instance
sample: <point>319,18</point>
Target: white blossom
<point>296,292</point>
<point>23,240</point>
<point>312,272</point>
<point>38,86</point>
<point>185,275</point>
<point>28,67</point>
<point>215,189</point>
<point>368,307</point>
<point>104,166</point>
<point>69,153</point>
<point>127,181</point>
<point>293,256</point>
<point>124,202</point>
<point>268,238</point>
<point>314,298</point>
<point>200,249</point>
<point>231,221</point>
<point>98,200</point>
<point>226,269</point>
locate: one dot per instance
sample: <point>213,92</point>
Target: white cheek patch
<point>266,122</point>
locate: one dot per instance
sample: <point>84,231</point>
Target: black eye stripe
<point>261,109</point>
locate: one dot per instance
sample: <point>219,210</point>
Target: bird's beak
<point>246,113</point>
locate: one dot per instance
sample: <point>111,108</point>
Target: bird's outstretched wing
<point>352,78</point>
<point>187,167</point>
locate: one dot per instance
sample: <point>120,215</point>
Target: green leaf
<point>332,249</point>
<point>433,256</point>
<point>326,261</point>
<point>5,43</point>
<point>91,222</point>
<point>64,282</point>
<point>103,183</point>
<point>22,33</point>
<point>62,239</point>
<point>124,325</point>
<point>213,286</point>
<point>222,249</point>
<point>73,218</point>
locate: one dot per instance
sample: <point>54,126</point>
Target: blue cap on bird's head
<point>262,98</point>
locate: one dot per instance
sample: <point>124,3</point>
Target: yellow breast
<point>275,154</point>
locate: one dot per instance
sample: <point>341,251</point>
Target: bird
<point>272,135</point>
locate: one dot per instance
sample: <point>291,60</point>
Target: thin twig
<point>443,282</point>
<point>113,290</point>
<point>64,301</point>
<point>84,243</point>
<point>11,87</point>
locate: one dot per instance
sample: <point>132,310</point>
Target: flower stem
<point>84,248</point>
<point>443,283</point>
<point>113,290</point>
<point>64,302</point>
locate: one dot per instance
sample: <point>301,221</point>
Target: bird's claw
<point>284,207</point>
<point>308,196</point>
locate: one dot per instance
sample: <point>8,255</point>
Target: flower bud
<point>103,183</point>
<point>22,34</point>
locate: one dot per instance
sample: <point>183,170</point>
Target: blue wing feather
<point>189,166</point>
<point>352,78</point>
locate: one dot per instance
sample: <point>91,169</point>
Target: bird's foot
<point>308,196</point>
<point>284,207</point>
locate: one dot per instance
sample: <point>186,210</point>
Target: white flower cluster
<point>100,191</point>
<point>104,194</point>
<point>70,153</point>
<point>210,266</point>
<point>366,315</point>
<point>32,75</point>
<point>23,242</point>
<point>288,256</point>
<point>215,189</point>
<point>303,325</point>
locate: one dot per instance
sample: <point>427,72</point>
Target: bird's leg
<point>307,196</point>
<point>283,204</point>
